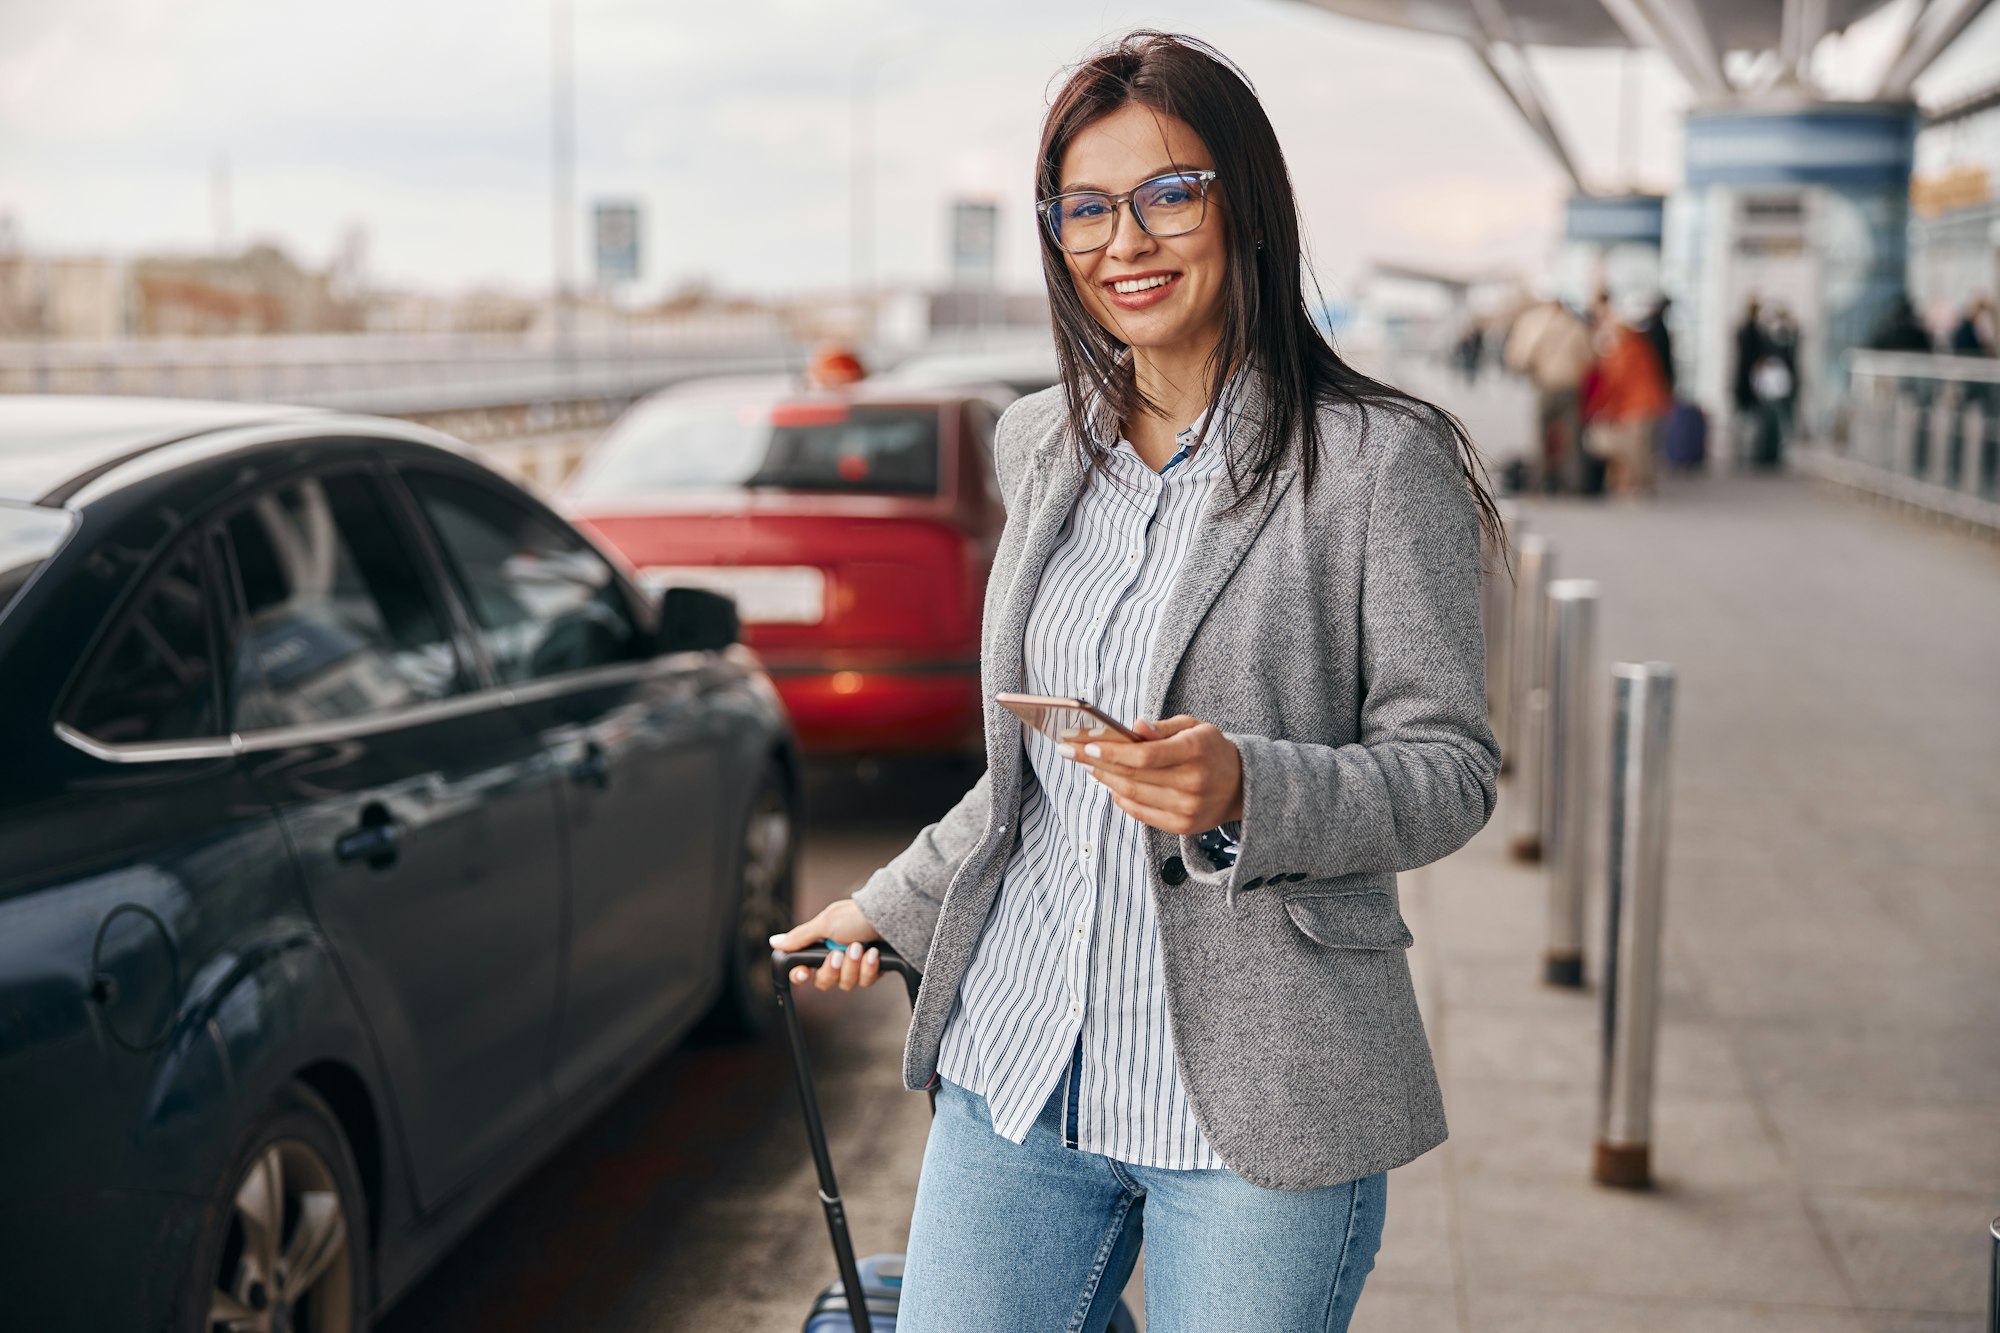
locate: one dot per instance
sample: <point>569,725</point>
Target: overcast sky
<point>427,124</point>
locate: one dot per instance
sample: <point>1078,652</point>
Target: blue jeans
<point>1039,1238</point>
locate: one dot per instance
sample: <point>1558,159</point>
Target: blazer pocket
<point>1350,921</point>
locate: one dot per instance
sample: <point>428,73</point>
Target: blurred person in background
<point>1552,347</point>
<point>1469,352</point>
<point>1626,403</point>
<point>1973,335</point>
<point>1901,330</point>
<point>1141,1011</point>
<point>1654,326</point>
<point>1754,424</point>
<point>1781,336</point>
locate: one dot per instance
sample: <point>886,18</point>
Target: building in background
<point>1955,230</point>
<point>1788,195</point>
<point>261,290</point>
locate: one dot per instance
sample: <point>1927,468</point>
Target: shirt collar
<point>1104,433</point>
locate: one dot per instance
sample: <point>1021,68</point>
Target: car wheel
<point>285,1247</point>
<point>766,861</point>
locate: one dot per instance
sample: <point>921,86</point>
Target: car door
<point>131,852</point>
<point>425,821</point>
<point>638,752</point>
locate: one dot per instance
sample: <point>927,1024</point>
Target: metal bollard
<point>1993,1289</point>
<point>1636,866</point>
<point>1572,637</point>
<point>1530,706</point>
<point>1499,610</point>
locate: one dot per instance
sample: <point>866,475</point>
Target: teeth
<point>1130,285</point>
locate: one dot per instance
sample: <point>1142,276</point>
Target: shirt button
<point>1132,558</point>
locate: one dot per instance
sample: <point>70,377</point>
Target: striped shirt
<point>1066,985</point>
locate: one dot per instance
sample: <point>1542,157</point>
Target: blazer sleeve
<point>1420,780</point>
<point>903,899</point>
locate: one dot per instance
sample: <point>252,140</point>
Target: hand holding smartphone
<point>1057,716</point>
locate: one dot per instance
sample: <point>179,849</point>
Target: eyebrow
<point>1080,187</point>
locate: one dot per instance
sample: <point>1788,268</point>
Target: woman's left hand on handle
<point>1182,776</point>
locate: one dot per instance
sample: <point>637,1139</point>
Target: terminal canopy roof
<point>1753,25</point>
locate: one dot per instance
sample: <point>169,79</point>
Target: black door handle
<point>594,769</point>
<point>377,841</point>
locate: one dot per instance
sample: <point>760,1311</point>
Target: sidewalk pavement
<point>1827,1119</point>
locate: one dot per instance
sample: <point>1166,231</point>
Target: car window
<point>544,600</point>
<point>809,446</point>
<point>29,535</point>
<point>155,679</point>
<point>335,619</point>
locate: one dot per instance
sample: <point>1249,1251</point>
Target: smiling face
<point>1172,302</point>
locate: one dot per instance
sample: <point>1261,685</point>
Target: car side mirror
<point>695,620</point>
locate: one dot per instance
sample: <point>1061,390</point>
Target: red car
<point>854,527</point>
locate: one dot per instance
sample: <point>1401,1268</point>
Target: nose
<point>1128,239</point>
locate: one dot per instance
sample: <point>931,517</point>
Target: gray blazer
<point>1340,648</point>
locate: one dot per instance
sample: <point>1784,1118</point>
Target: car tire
<point>311,1271</point>
<point>763,905</point>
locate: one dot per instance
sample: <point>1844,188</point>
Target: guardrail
<point>1921,431</point>
<point>492,380</point>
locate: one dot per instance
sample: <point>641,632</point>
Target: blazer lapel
<point>1218,549</point>
<point>1056,483</point>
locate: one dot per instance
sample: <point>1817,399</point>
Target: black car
<point>363,828</point>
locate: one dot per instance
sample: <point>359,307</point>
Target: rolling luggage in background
<point>879,1277</point>
<point>1686,443</point>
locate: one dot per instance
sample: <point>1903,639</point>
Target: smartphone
<point>1056,717</point>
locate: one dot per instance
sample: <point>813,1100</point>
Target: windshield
<point>29,535</point>
<point>787,446</point>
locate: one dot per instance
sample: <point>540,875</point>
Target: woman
<point>1627,402</point>
<point>1164,980</point>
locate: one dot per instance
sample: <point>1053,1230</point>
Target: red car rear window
<point>807,446</point>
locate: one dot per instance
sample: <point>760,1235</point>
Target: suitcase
<point>1686,443</point>
<point>879,1277</point>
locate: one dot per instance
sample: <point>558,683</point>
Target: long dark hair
<point>1266,324</point>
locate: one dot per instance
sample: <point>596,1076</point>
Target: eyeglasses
<point>1086,220</point>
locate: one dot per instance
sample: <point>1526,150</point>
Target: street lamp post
<point>562,179</point>
<point>861,166</point>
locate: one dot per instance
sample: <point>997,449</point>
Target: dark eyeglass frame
<point>1048,208</point>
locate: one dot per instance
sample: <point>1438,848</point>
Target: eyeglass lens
<point>1168,206</point>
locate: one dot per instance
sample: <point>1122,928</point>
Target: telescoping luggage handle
<point>782,964</point>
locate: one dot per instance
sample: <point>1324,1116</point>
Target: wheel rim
<point>767,854</point>
<point>285,1266</point>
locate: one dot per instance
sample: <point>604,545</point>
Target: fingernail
<point>799,975</point>
<point>836,953</point>
<point>777,941</point>
<point>872,956</point>
<point>1094,750</point>
<point>1066,750</point>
